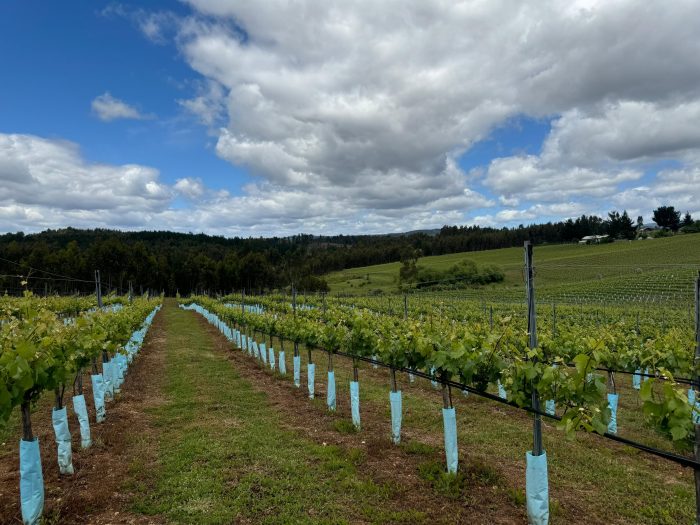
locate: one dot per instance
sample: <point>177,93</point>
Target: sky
<point>250,118</point>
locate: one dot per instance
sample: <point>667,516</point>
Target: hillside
<point>635,270</point>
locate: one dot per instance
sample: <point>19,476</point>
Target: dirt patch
<point>97,492</point>
<point>394,467</point>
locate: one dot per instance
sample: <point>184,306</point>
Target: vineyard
<point>50,344</point>
<point>334,408</point>
<point>652,272</point>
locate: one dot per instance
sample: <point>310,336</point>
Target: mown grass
<point>224,457</point>
<point>621,265</point>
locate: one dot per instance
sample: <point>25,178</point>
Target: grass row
<point>225,457</point>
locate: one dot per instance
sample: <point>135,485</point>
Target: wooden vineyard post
<point>695,386</point>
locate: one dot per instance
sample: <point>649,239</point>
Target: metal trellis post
<point>532,343</point>
<point>98,288</point>
<point>697,381</point>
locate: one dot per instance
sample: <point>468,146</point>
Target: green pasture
<point>644,270</point>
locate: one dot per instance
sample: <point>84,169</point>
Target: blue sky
<point>67,57</point>
<point>242,118</point>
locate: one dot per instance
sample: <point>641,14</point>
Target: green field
<point>646,270</point>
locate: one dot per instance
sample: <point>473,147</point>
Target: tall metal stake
<point>532,343</point>
<point>695,387</point>
<point>98,288</point>
<point>294,310</point>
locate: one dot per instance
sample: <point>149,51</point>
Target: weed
<point>344,426</point>
<point>517,496</point>
<point>445,483</point>
<point>416,447</point>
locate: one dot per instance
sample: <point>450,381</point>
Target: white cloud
<point>599,152</point>
<point>372,103</point>
<point>534,214</point>
<point>46,183</point>
<point>108,108</point>
<point>190,188</point>
<point>676,187</point>
<point>154,25</point>
<point>532,178</point>
<point>352,116</point>
<point>624,131</point>
<point>208,106</point>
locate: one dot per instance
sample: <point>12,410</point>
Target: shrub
<point>462,274</point>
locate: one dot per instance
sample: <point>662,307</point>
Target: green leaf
<point>645,391</point>
<point>25,349</point>
<point>678,433</point>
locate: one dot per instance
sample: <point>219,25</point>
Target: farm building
<point>649,227</point>
<point>592,239</point>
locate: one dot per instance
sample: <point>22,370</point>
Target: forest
<point>64,261</point>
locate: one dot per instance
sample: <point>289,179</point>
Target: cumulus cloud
<point>534,213</point>
<point>108,108</point>
<point>208,106</point>
<point>532,178</point>
<point>377,101</point>
<point>624,132</point>
<point>600,152</point>
<point>189,187</point>
<point>678,187</point>
<point>47,183</point>
<point>353,116</point>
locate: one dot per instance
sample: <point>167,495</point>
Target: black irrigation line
<point>670,456</point>
<point>680,380</point>
<point>681,460</point>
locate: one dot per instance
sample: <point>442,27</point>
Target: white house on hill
<point>592,239</point>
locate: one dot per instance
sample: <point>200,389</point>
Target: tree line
<point>63,261</point>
